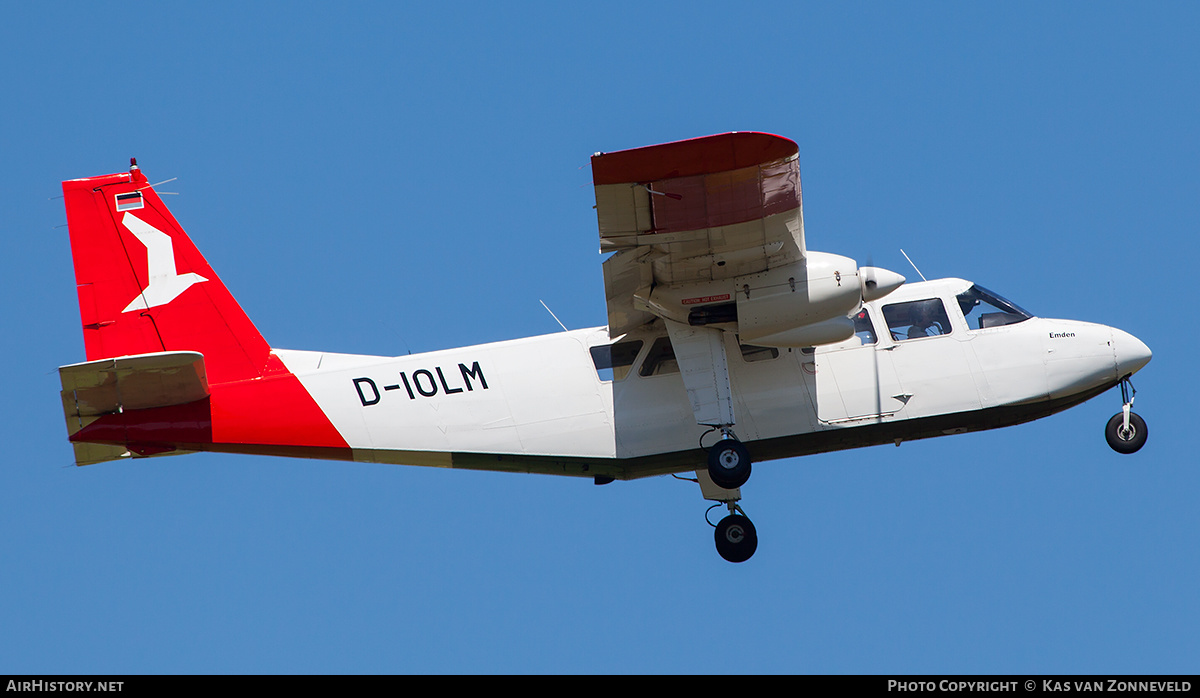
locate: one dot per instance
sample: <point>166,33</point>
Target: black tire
<point>736,538</point>
<point>1128,442</point>
<point>729,464</point>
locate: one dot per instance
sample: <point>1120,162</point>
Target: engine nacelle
<point>799,305</point>
<point>831,331</point>
<point>803,304</point>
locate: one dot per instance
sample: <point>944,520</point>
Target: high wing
<point>694,211</point>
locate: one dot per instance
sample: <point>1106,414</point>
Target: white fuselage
<point>540,404</point>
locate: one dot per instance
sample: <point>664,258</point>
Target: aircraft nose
<point>1131,353</point>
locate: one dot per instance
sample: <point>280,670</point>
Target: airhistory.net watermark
<point>36,685</point>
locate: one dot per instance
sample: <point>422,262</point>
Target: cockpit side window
<point>613,360</point>
<point>984,309</point>
<point>916,319</point>
<point>863,328</point>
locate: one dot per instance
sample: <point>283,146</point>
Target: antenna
<point>548,310</point>
<point>151,186</point>
<point>913,265</point>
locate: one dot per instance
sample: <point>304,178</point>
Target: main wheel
<point>1122,440</point>
<point>729,464</point>
<point>736,538</point>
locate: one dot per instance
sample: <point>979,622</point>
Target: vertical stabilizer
<point>173,363</point>
<point>144,287</point>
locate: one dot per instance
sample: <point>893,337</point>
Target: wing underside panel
<point>695,211</point>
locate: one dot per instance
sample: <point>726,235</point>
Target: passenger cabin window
<point>916,319</point>
<point>863,328</point>
<point>613,360</point>
<point>751,353</point>
<point>984,309</point>
<point>660,359</point>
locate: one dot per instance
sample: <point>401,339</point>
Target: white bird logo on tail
<point>165,285</point>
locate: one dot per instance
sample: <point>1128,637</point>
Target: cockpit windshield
<point>984,309</point>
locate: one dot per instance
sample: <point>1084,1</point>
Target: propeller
<point>877,282</point>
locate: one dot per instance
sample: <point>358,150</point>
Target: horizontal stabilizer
<point>110,386</point>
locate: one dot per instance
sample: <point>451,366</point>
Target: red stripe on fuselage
<point>276,410</point>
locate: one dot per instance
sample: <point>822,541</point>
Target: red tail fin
<point>144,287</point>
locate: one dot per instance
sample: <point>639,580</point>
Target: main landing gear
<point>1126,432</point>
<point>728,469</point>
<point>700,352</point>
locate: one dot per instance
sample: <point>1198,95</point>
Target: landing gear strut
<point>1126,432</point>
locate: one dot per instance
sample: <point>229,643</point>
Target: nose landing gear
<point>1126,432</point>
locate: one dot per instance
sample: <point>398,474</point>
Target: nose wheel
<point>1126,432</point>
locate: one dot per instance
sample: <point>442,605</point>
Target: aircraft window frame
<point>898,317</point>
<point>1007,312</point>
<point>626,354</point>
<point>864,328</point>
<point>865,334</point>
<point>660,360</point>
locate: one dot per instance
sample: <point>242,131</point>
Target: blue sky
<point>388,177</point>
